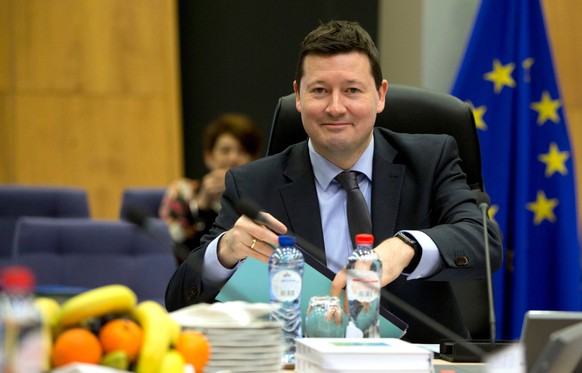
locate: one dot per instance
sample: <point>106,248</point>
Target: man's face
<point>338,102</point>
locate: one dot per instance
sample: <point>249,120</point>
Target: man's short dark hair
<point>337,37</point>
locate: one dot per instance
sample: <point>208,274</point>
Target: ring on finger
<point>253,244</point>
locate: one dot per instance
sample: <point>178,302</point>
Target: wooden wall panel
<point>5,83</point>
<point>565,33</point>
<point>94,101</point>
<point>90,46</point>
<point>5,46</point>
<point>108,143</point>
<point>6,150</point>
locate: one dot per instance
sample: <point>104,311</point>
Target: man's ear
<point>382,96</point>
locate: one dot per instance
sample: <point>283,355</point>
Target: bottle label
<point>286,285</point>
<point>22,350</point>
<point>363,285</point>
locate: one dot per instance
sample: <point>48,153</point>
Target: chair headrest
<point>408,110</point>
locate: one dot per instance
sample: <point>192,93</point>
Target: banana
<point>175,329</point>
<point>48,308</point>
<point>96,302</point>
<point>172,362</point>
<point>153,320</point>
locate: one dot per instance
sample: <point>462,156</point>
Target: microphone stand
<point>457,354</point>
<point>484,207</point>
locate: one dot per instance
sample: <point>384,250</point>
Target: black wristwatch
<point>411,241</point>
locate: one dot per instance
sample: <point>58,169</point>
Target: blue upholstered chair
<point>147,200</point>
<point>86,253</point>
<point>23,200</point>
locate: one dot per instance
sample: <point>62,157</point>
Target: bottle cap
<point>18,279</point>
<point>286,240</point>
<point>364,239</point>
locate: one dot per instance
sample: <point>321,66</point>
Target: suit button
<point>461,261</point>
<point>191,293</point>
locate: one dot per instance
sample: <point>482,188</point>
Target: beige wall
<point>565,33</point>
<point>89,96</point>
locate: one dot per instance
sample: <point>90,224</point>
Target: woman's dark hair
<point>241,126</point>
<point>337,37</point>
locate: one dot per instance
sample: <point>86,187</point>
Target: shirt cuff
<point>430,261</point>
<point>215,274</point>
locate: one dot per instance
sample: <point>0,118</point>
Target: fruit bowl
<point>106,330</point>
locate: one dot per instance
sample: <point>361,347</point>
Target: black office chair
<point>415,110</point>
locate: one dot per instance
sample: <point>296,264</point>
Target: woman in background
<point>190,206</point>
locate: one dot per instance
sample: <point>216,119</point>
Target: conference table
<point>443,366</point>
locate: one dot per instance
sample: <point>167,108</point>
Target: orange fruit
<point>76,345</point>
<point>194,347</point>
<point>122,334</point>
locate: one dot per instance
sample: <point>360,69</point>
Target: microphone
<point>483,201</point>
<point>253,211</point>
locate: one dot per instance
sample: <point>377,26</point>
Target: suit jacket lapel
<point>300,200</point>
<point>387,184</point>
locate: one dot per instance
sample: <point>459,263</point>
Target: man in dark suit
<point>424,218</point>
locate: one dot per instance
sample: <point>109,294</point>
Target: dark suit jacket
<point>417,184</point>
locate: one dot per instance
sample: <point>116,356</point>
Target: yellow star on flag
<point>478,113</point>
<point>543,208</point>
<point>547,109</point>
<point>555,160</point>
<point>500,75</point>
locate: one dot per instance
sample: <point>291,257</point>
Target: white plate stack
<point>241,340</point>
<point>255,348</point>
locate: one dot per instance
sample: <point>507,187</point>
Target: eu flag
<point>507,77</point>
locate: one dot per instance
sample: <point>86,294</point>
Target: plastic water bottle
<point>364,274</point>
<point>21,338</point>
<point>286,280</point>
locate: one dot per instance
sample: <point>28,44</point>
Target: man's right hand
<point>248,238</point>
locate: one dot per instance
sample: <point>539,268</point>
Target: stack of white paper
<point>349,355</point>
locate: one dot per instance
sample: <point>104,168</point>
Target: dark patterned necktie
<point>357,210</point>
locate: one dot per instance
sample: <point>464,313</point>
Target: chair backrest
<point>22,200</point>
<point>414,110</point>
<point>89,253</point>
<point>147,200</point>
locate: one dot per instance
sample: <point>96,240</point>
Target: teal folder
<point>250,283</point>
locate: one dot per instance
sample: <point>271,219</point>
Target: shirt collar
<point>325,171</point>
